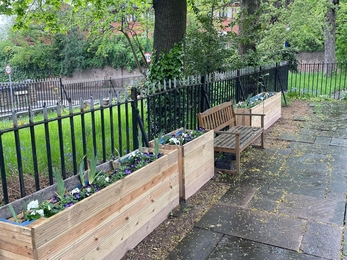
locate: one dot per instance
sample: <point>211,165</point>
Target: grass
<point>124,115</point>
<point>317,84</point>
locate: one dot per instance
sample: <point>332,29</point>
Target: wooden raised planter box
<point>104,225</point>
<point>195,163</point>
<point>271,107</point>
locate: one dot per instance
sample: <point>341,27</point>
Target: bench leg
<point>237,154</point>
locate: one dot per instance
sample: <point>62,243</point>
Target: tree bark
<point>170,23</point>
<point>249,8</point>
<point>329,37</point>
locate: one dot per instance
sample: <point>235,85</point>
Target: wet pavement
<point>288,203</point>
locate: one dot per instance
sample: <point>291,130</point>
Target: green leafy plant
<point>61,190</point>
<point>92,172</point>
<point>13,212</point>
<point>82,172</point>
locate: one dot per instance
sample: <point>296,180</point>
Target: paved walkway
<point>288,204</point>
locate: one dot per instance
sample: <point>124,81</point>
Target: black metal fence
<point>19,96</point>
<point>32,147</point>
<point>319,80</point>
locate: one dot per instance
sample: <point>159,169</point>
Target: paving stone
<point>255,225</point>
<point>338,142</point>
<point>298,138</point>
<point>266,198</point>
<point>323,140</point>
<point>198,244</point>
<point>322,240</point>
<point>311,208</point>
<point>239,196</point>
<point>240,249</point>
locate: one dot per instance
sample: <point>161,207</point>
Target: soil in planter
<point>224,161</point>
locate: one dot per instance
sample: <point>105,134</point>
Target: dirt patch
<point>164,238</point>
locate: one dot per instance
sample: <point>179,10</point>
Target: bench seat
<point>230,137</point>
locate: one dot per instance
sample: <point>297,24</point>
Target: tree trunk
<point>170,23</point>
<point>329,37</point>
<point>249,9</point>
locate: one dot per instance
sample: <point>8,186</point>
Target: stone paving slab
<point>240,249</point>
<point>298,138</point>
<point>266,198</point>
<point>239,196</point>
<point>339,142</point>
<point>322,240</point>
<point>259,226</point>
<point>311,208</point>
<point>198,244</point>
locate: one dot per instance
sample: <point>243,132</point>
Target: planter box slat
<point>271,107</point>
<point>136,238</point>
<point>190,156</point>
<point>106,220</point>
<point>198,178</point>
<point>132,226</point>
<point>119,228</point>
<point>83,236</point>
<point>80,212</point>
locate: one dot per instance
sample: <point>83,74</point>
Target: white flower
<point>174,140</point>
<point>40,211</point>
<point>33,205</point>
<point>75,190</point>
<point>107,179</point>
<point>88,189</point>
<point>184,135</point>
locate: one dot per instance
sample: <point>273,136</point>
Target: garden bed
<point>102,226</point>
<point>271,107</point>
<point>195,162</point>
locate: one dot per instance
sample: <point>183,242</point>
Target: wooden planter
<point>103,226</point>
<point>271,107</point>
<point>196,163</point>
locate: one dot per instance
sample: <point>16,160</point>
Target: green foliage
<point>167,66</point>
<point>341,33</point>
<point>60,184</point>
<point>206,48</point>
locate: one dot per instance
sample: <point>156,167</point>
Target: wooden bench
<point>231,138</point>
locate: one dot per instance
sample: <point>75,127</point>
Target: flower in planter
<point>255,100</point>
<point>182,137</point>
<point>63,199</point>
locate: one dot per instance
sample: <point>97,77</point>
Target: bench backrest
<point>218,117</point>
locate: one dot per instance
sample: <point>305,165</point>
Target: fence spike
<point>58,110</point>
<point>153,88</point>
<point>14,119</point>
<point>45,113</point>
<point>175,82</point>
<point>70,107</point>
<point>125,95</point>
<point>164,84</point>
<point>82,104</point>
<point>91,103</point>
<point>118,96</point>
<point>170,83</point>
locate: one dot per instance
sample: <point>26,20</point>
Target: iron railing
<point>19,96</point>
<point>32,147</point>
<point>318,79</point>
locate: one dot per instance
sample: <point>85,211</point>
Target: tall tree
<point>249,22</point>
<point>330,36</point>
<point>170,23</point>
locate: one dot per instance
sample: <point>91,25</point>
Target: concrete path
<point>288,204</point>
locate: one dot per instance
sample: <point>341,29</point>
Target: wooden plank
<point>119,207</point>
<point>197,143</point>
<point>46,230</point>
<point>131,242</point>
<point>5,255</point>
<point>104,249</point>
<point>203,153</point>
<point>198,178</point>
<point>102,240</point>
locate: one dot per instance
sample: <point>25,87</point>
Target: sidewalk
<point>288,204</point>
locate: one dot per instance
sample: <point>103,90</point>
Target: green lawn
<point>121,119</point>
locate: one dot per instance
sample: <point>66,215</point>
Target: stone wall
<point>99,74</point>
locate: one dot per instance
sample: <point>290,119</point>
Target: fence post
<point>202,94</point>
<point>134,117</point>
<point>276,76</point>
<point>238,87</point>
